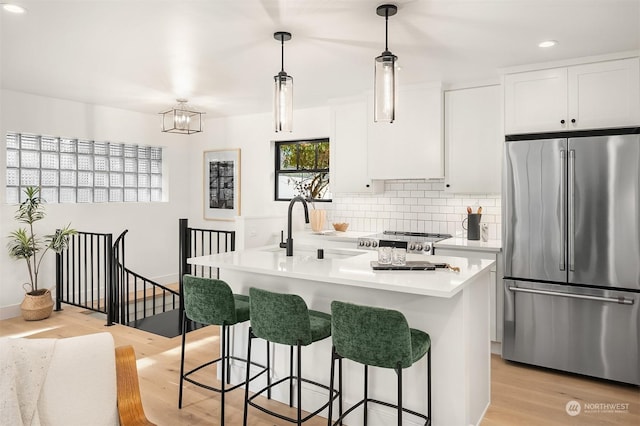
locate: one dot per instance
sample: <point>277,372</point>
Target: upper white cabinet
<point>473,140</point>
<point>535,101</point>
<point>411,146</point>
<point>349,148</point>
<point>595,95</point>
<point>604,94</point>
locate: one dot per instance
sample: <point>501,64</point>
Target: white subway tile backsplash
<point>416,206</point>
<point>447,209</point>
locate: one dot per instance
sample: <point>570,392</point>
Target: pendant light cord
<point>386,30</point>
<point>282,52</point>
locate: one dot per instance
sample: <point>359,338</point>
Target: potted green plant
<point>25,244</point>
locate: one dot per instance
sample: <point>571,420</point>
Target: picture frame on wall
<point>221,197</point>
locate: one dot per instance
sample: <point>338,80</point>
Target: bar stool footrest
<point>282,416</point>
<point>387,404</point>
<point>186,375</point>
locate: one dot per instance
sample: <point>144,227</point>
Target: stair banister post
<point>184,252</point>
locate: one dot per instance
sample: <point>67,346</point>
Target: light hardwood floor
<point>521,395</point>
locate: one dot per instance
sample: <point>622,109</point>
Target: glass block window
<point>82,171</point>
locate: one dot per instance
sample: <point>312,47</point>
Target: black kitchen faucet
<point>289,244</point>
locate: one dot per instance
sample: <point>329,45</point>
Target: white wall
<point>152,241</point>
<point>255,137</point>
<point>407,205</point>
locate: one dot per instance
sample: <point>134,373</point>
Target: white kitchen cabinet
<point>412,146</point>
<point>473,140</point>
<point>535,101</point>
<point>589,96</point>
<point>604,94</point>
<point>349,148</point>
<point>496,296</point>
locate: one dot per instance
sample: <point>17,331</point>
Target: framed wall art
<point>222,184</point>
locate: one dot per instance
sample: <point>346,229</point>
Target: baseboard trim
<point>11,311</point>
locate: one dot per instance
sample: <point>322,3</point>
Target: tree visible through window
<point>302,168</point>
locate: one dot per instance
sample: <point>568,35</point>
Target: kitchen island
<point>453,307</point>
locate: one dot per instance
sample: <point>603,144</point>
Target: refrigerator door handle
<point>563,209</point>
<point>572,209</point>
<point>619,300</point>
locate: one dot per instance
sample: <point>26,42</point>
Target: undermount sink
<point>309,251</point>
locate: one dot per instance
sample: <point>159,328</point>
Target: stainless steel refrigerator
<point>571,232</point>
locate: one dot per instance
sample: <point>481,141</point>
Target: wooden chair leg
<point>130,410</point>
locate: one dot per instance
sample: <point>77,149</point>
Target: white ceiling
<point>221,55</point>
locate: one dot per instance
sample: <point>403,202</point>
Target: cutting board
<point>420,265</point>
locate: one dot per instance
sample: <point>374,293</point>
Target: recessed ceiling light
<point>13,8</point>
<point>547,43</point>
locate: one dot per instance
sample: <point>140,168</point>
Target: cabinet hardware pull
<point>572,209</point>
<point>561,121</point>
<point>620,300</point>
<point>573,120</point>
<point>563,209</point>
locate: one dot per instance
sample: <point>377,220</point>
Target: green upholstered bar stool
<point>211,302</point>
<point>285,319</point>
<point>376,337</point>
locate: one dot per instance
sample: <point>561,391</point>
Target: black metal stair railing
<point>84,273</point>
<point>195,242</point>
<point>92,274</point>
<point>138,297</point>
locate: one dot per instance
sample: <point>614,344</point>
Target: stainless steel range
<point>414,242</point>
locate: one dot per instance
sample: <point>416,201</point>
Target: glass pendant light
<point>385,74</point>
<point>283,92</point>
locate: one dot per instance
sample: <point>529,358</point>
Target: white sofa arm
<point>80,387</point>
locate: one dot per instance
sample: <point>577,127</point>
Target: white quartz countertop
<point>331,235</point>
<point>349,267</point>
<point>458,243</point>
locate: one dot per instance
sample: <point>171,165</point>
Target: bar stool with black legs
<point>285,319</point>
<point>380,338</point>
<point>211,302</point>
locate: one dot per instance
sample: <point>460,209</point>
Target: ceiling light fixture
<point>385,73</point>
<point>13,8</point>
<point>547,43</point>
<point>182,119</point>
<point>283,91</point>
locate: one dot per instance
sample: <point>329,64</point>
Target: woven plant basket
<point>38,307</point>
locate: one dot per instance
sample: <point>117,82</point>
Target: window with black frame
<point>302,168</point>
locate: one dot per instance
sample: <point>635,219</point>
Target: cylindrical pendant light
<point>385,74</point>
<point>283,92</point>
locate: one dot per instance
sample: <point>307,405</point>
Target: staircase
<point>93,274</point>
